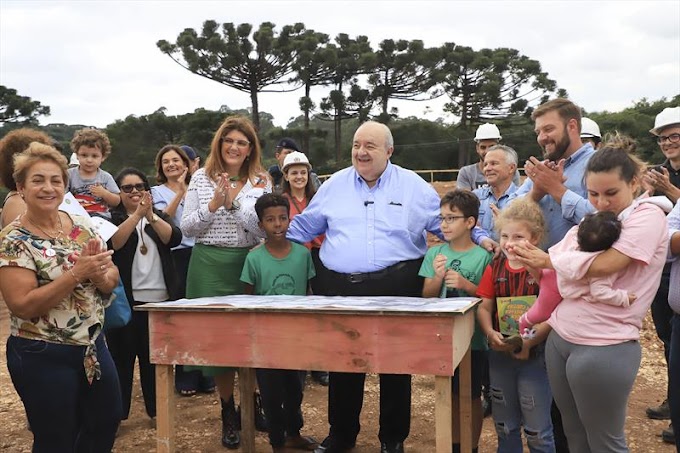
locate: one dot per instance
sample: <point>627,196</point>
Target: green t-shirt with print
<point>470,264</point>
<point>272,276</point>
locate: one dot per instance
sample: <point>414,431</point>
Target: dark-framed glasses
<point>449,219</point>
<point>128,188</point>
<point>673,138</point>
<point>238,143</point>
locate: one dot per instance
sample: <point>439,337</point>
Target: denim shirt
<point>575,205</point>
<point>486,199</point>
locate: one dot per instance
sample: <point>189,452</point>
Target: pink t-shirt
<point>644,238</point>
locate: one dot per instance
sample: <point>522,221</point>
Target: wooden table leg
<point>246,382</point>
<point>165,409</point>
<point>465,399</point>
<point>442,411</point>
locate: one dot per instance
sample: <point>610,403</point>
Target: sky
<point>94,61</point>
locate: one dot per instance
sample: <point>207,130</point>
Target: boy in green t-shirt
<point>279,267</point>
<point>454,270</point>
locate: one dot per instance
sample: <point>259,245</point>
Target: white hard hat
<point>668,117</point>
<point>73,161</point>
<point>589,128</point>
<point>487,131</point>
<point>295,158</point>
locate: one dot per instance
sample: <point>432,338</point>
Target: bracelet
<point>97,283</point>
<point>73,274</point>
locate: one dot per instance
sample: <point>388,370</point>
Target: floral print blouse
<point>78,319</point>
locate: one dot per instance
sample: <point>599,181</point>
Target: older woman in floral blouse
<point>55,275</point>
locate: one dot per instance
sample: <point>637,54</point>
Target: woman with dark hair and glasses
<point>141,247</point>
<point>219,213</point>
<point>173,172</point>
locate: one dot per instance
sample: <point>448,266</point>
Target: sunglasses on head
<point>128,188</point>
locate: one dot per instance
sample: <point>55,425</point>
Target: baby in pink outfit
<point>596,233</point>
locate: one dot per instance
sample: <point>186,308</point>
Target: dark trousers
<point>65,412</point>
<point>346,390</point>
<point>662,313</point>
<point>281,392</point>
<point>674,378</point>
<point>127,344</point>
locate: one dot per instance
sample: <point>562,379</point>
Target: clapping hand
<point>93,262</point>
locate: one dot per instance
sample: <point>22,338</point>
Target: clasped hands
<point>145,207</point>
<point>546,175</point>
<point>221,196</point>
<point>452,279</point>
<point>92,263</point>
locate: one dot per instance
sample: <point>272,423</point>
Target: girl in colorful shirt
<point>520,392</point>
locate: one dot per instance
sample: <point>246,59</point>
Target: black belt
<point>359,277</point>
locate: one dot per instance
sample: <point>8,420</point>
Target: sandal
<point>301,443</point>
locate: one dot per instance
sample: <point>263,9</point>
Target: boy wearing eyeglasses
<point>94,188</point>
<point>454,269</point>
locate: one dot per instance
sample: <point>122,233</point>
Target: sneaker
<point>661,412</point>
<point>668,435</point>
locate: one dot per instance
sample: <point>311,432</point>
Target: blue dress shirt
<point>560,218</point>
<point>486,199</point>
<point>369,229</point>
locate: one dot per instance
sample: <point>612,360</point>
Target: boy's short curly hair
<point>91,137</point>
<point>270,200</point>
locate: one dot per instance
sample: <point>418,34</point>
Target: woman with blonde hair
<point>219,213</point>
<point>55,276</point>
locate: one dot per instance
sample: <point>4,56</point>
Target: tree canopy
<point>15,108</point>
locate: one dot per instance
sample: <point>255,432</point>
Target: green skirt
<point>215,271</point>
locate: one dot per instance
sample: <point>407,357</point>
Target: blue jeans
<point>65,412</point>
<point>521,397</point>
<point>674,378</point>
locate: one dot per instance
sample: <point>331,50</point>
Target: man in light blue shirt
<point>557,183</point>
<point>500,165</point>
<point>376,216</point>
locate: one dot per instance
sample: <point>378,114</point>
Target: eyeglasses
<point>673,138</point>
<point>128,188</point>
<point>449,219</point>
<point>239,143</point>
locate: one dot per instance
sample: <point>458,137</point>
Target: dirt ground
<point>197,417</point>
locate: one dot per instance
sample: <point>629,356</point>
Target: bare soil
<point>198,422</point>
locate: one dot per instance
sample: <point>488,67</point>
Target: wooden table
<point>246,332</point>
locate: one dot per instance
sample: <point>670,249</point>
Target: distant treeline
<point>419,144</point>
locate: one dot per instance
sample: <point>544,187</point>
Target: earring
<point>21,194</point>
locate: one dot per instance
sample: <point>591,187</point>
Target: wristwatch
<point>235,205</point>
<point>155,218</point>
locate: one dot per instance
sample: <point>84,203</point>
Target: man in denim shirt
<point>556,183</point>
<point>500,165</point>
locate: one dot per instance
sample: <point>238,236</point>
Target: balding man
<point>375,216</point>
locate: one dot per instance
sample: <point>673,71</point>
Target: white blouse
<point>222,228</point>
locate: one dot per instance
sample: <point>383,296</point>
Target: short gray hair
<point>510,154</point>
